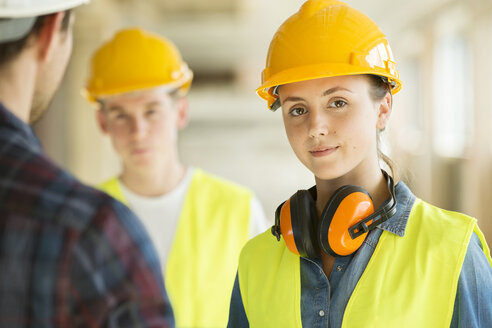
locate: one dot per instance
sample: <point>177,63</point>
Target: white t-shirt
<point>160,214</point>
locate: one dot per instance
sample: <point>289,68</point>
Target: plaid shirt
<point>70,256</point>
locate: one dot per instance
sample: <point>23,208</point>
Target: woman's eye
<point>297,111</point>
<point>337,104</point>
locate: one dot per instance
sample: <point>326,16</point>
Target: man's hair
<point>10,50</point>
<point>174,95</point>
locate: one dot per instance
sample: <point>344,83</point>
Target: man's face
<point>51,72</point>
<point>143,126</point>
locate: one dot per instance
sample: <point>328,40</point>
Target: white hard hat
<point>18,16</point>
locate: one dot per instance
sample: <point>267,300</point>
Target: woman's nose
<point>318,124</point>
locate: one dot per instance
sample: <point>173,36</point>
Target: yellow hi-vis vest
<point>410,281</point>
<point>202,263</point>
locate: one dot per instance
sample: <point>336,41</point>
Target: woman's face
<point>332,123</point>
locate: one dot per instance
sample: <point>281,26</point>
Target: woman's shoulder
<point>264,248</point>
<point>433,212</point>
<point>265,241</point>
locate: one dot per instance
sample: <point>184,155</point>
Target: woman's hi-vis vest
<point>410,281</point>
<point>202,263</point>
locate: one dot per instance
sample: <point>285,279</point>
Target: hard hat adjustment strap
<point>275,105</point>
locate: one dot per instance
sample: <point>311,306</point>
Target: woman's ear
<point>384,111</point>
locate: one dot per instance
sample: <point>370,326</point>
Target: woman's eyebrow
<point>334,89</point>
<point>293,98</point>
<point>324,94</point>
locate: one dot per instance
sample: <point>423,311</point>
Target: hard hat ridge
<point>311,7</point>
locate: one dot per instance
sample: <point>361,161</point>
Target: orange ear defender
<point>298,234</point>
<point>345,221</point>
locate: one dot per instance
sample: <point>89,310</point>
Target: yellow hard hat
<point>134,60</point>
<point>326,38</point>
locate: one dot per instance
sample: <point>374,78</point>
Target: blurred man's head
<point>139,81</point>
<point>43,31</point>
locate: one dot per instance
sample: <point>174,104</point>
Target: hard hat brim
<point>183,85</point>
<point>304,73</point>
<point>25,9</point>
<point>15,29</point>
<point>311,72</point>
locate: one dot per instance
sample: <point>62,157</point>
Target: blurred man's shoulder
<point>40,189</point>
<point>212,181</point>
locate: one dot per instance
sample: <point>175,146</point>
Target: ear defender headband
<point>344,223</point>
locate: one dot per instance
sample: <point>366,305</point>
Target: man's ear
<point>50,35</point>
<point>183,112</point>
<point>384,112</point>
<point>101,120</point>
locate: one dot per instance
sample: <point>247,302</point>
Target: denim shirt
<point>323,300</point>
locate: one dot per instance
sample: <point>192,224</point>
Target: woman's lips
<point>323,151</point>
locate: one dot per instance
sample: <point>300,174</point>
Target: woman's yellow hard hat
<point>326,38</point>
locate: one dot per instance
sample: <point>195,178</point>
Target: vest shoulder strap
<point>219,186</point>
<point>112,188</point>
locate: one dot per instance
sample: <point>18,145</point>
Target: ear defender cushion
<point>348,205</point>
<point>297,224</point>
<point>304,223</point>
<point>285,221</point>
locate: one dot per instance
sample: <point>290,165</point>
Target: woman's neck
<point>374,183</point>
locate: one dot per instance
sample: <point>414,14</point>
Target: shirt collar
<point>404,203</point>
<point>22,130</point>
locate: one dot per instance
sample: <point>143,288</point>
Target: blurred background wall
<point>441,126</point>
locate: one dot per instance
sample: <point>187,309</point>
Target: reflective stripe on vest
<point>408,282</point>
<point>202,263</point>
